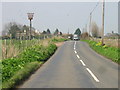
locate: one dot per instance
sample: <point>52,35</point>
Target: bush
<point>21,74</point>
<point>35,53</point>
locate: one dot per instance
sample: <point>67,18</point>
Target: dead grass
<point>45,42</point>
<point>110,42</point>
<point>59,44</point>
<point>10,50</point>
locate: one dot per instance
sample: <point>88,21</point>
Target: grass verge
<point>16,69</point>
<point>21,75</point>
<point>109,52</point>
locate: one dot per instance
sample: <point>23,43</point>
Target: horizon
<point>66,16</point>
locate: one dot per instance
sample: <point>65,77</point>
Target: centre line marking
<point>94,77</point>
<point>75,51</point>
<point>82,63</point>
<point>78,56</point>
<point>74,44</point>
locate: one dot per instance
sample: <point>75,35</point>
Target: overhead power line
<point>93,10</point>
<point>95,7</point>
<point>91,16</point>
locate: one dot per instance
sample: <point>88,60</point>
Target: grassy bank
<point>109,52</point>
<point>22,74</point>
<point>16,69</point>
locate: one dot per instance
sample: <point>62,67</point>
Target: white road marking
<point>95,78</point>
<point>82,63</point>
<point>75,51</point>
<point>74,44</point>
<point>74,47</point>
<point>78,56</point>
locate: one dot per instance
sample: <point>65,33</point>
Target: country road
<point>75,65</point>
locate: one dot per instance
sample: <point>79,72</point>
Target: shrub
<point>21,74</point>
<point>35,53</point>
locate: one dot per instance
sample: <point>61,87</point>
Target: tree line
<point>14,30</point>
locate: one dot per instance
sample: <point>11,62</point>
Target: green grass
<point>108,52</point>
<point>16,69</point>
<point>11,67</point>
<point>21,75</point>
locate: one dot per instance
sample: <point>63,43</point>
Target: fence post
<point>5,48</point>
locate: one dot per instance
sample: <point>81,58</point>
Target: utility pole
<point>68,31</point>
<point>86,28</point>
<point>90,24</point>
<point>103,10</point>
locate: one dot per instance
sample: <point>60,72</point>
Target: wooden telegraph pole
<point>90,25</point>
<point>103,10</point>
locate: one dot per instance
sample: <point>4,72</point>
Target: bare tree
<point>84,35</point>
<point>7,27</point>
<point>100,32</point>
<point>95,30</point>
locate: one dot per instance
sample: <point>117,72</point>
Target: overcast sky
<point>62,15</point>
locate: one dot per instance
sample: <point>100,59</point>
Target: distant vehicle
<point>69,37</point>
<point>76,37</point>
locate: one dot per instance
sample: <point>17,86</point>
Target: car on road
<point>76,37</point>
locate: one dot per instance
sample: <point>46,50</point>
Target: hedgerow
<point>35,53</point>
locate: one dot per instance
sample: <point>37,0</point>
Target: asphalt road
<point>75,65</point>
